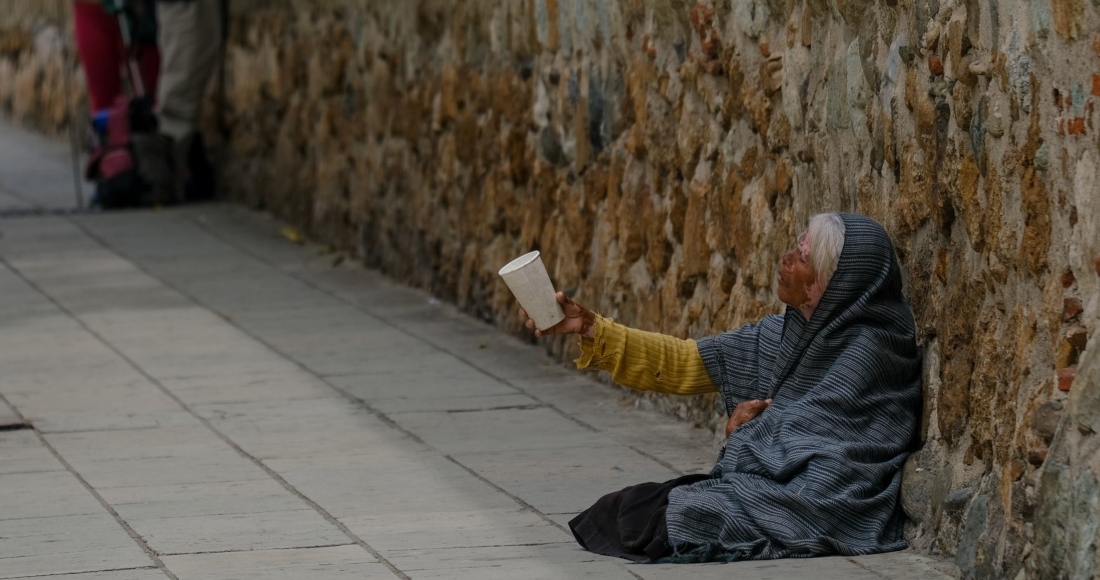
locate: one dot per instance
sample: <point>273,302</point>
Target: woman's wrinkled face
<point>798,285</point>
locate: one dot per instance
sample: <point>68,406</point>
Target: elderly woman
<point>823,404</point>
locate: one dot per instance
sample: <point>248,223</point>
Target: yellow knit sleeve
<point>646,361</point>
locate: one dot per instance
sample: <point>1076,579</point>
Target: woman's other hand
<point>744,412</point>
<point>578,319</point>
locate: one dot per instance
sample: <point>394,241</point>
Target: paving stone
<point>149,573</point>
<point>8,417</point>
<point>429,362</point>
<point>301,428</point>
<point>455,529</point>
<point>350,562</point>
<point>300,528</point>
<point>135,404</point>
<point>830,568</point>
<point>143,421</point>
<point>439,390</point>
<point>62,380</point>
<point>499,430</point>
<point>564,561</point>
<point>335,319</point>
<point>200,499</point>
<point>202,360</point>
<point>168,442</point>
<point>565,480</point>
<point>65,565</point>
<point>45,494</point>
<point>22,452</point>
<point>57,545</point>
<point>677,444</point>
<point>395,479</point>
<point>166,471</point>
<point>259,387</point>
<point>454,404</point>
<point>909,565</point>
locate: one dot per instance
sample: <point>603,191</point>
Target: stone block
<point>22,452</point>
<point>500,430</point>
<point>565,480</point>
<point>145,502</point>
<point>247,388</point>
<point>67,544</point>
<point>235,532</point>
<point>336,562</point>
<point>541,562</point>
<point>501,528</point>
<point>45,494</point>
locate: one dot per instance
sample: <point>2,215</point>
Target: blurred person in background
<point>189,37</point>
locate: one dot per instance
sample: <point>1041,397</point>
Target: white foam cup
<point>526,277</point>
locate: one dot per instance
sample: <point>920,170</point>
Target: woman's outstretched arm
<point>641,360</point>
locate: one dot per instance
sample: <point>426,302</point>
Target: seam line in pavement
<point>51,575</point>
<point>286,485</point>
<point>125,526</point>
<point>207,552</point>
<point>199,225</point>
<point>872,571</point>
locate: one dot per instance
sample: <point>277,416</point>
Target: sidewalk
<point>212,401</point>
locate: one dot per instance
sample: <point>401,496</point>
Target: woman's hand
<point>744,412</point>
<point>578,319</point>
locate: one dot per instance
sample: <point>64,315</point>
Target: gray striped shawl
<point>819,471</point>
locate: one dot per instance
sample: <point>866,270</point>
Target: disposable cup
<point>526,277</point>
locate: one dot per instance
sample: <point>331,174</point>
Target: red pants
<point>99,46</point>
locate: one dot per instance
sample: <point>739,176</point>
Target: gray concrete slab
<point>499,430</point>
<point>55,562</point>
<point>150,573</point>
<point>139,472</point>
<point>200,499</point>
<point>332,563</point>
<point>8,417</point>
<point>22,452</point>
<point>564,561</point>
<point>438,390</point>
<point>832,568</point>
<point>565,479</point>
<point>37,170</point>
<point>301,528</point>
<point>134,404</point>
<point>58,545</point>
<point>45,494</point>
<point>395,481</point>
<point>246,388</point>
<point>455,529</point>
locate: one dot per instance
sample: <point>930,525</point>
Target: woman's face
<point>798,285</point>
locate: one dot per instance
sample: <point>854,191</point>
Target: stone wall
<point>38,65</point>
<point>662,154</point>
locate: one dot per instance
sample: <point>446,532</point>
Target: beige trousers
<point>189,36</point>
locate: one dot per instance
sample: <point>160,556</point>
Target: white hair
<point>826,240</point>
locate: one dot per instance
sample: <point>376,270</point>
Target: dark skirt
<point>630,523</point>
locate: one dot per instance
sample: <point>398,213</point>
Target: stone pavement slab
<point>543,562</point>
<point>565,480</point>
<point>334,563</point>
<point>249,411</point>
<point>66,544</point>
<point>131,574</point>
<point>44,494</point>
